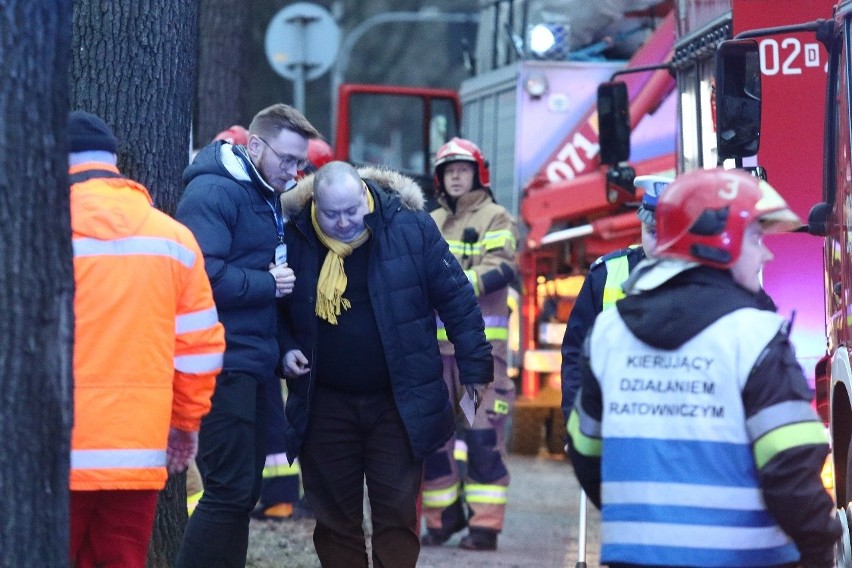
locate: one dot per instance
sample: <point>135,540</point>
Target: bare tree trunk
<point>36,283</point>
<point>133,64</point>
<point>223,73</point>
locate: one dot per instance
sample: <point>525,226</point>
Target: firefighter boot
<point>457,521</point>
<point>479,539</point>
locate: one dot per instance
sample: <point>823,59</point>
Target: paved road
<point>541,523</point>
<point>540,532</point>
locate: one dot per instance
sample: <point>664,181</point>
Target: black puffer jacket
<point>229,209</point>
<point>411,274</point>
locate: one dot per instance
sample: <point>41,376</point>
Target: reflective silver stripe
<point>439,323</point>
<point>778,415</point>
<point>134,246</point>
<point>276,459</point>
<point>204,363</point>
<point>588,425</point>
<point>196,321</point>
<point>496,321</point>
<point>682,494</point>
<point>692,536</point>
<point>114,459</point>
<point>440,498</point>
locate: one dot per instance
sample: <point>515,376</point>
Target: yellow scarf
<point>332,278</point>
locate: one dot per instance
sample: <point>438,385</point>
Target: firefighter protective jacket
<point>148,342</point>
<point>482,236</point>
<point>693,430</point>
<point>601,289</point>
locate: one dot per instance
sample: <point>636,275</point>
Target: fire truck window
<point>697,135</point>
<point>839,240</point>
<point>387,130</point>
<point>688,108</point>
<point>442,125</point>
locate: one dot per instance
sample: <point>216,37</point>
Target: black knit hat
<point>89,132</point>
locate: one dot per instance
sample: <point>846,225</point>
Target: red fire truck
<point>793,69</point>
<point>830,215</point>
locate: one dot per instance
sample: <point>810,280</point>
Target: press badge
<point>281,254</point>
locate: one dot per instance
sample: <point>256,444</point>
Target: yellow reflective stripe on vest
<point>441,498</point>
<point>460,451</point>
<point>491,333</point>
<point>496,327</point>
<point>474,280</point>
<point>490,241</point>
<point>786,437</point>
<point>281,470</point>
<point>487,494</point>
<point>585,445</point>
<point>277,465</point>
<point>498,239</point>
<point>192,501</point>
<point>617,271</point>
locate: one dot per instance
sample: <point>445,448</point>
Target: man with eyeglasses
<point>231,205</point>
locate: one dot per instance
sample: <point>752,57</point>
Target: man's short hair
<point>334,172</point>
<point>269,122</point>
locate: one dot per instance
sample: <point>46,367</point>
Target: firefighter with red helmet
<point>693,430</point>
<point>482,235</point>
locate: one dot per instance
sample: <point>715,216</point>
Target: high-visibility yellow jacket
<point>148,343</point>
<point>482,236</point>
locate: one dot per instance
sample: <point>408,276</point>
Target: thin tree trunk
<point>36,283</point>
<point>133,64</point>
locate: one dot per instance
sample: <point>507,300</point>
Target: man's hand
<point>295,364</point>
<point>181,449</point>
<point>285,279</point>
<point>476,391</point>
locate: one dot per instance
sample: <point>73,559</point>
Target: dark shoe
<point>301,510</point>
<point>437,537</point>
<point>479,539</point>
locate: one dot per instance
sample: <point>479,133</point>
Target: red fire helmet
<point>460,150</point>
<point>319,152</point>
<point>234,135</point>
<point>702,216</point>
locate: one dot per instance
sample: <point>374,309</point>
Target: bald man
<point>366,394</point>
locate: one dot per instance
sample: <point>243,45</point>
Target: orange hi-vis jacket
<point>148,342</point>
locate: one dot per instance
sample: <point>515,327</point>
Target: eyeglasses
<point>287,161</point>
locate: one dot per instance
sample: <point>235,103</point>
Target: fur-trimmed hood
<point>410,193</point>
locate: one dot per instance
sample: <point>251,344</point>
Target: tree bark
<point>133,64</point>
<point>223,72</point>
<point>36,283</point>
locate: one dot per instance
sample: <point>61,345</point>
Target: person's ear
<point>254,147</point>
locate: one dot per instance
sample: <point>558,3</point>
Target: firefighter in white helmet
<point>482,235</point>
<point>693,429</point>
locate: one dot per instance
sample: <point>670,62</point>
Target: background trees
<point>401,54</point>
<point>133,65</point>
<point>36,283</point>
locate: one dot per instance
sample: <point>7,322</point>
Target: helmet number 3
<point>731,188</point>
